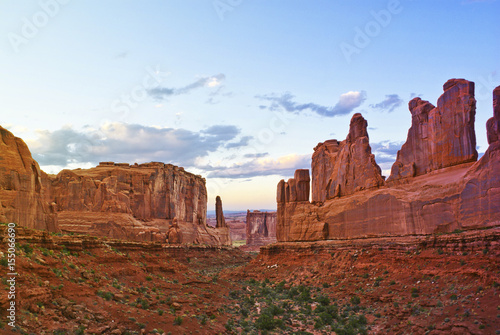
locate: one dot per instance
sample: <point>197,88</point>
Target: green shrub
<point>355,300</point>
<point>268,322</point>
<point>178,320</point>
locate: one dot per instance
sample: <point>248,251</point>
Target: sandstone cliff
<point>260,228</point>
<point>23,191</point>
<point>135,202</point>
<point>439,136</point>
<point>445,191</point>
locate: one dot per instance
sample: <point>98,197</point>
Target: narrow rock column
<point>219,214</point>
<point>493,124</point>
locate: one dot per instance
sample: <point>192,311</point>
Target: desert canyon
<point>127,249</point>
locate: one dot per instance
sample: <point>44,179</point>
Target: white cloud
<point>121,142</point>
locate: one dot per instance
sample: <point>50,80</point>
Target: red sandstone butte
<point>439,136</point>
<point>260,228</point>
<point>443,191</point>
<point>24,197</point>
<point>134,202</point>
<point>342,168</point>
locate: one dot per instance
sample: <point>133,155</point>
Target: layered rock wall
<point>24,197</point>
<point>135,202</point>
<point>260,228</point>
<point>442,191</point>
<point>146,191</point>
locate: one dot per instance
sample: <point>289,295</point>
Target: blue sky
<point>238,91</point>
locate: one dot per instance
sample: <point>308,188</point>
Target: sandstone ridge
<point>436,185</point>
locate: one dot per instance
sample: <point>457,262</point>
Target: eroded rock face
<point>439,136</point>
<point>141,200</point>
<point>440,193</point>
<point>342,168</point>
<point>24,196</point>
<point>147,191</point>
<point>260,228</point>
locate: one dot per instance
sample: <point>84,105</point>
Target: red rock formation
<point>23,195</point>
<point>439,136</point>
<point>260,228</point>
<point>147,191</point>
<point>493,124</point>
<point>174,234</point>
<point>137,201</point>
<point>340,169</point>
<point>117,200</point>
<point>459,196</point>
<point>219,214</point>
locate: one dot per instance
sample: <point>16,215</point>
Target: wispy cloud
<point>256,155</point>
<point>346,104</point>
<point>243,142</point>
<point>160,93</point>
<point>391,102</point>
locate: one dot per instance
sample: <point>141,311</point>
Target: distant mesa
<point>260,228</point>
<point>436,183</point>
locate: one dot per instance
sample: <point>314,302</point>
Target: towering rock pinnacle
<point>439,136</point>
<point>219,214</point>
<point>342,168</point>
<point>493,124</point>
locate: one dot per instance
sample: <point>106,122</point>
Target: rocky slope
<point>75,284</point>
<point>445,191</point>
<point>440,284</point>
